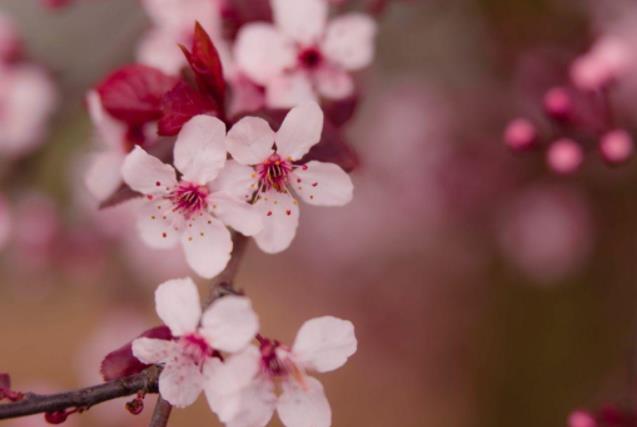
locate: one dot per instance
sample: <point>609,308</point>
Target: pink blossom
<point>616,146</point>
<point>581,419</point>
<point>520,134</point>
<point>193,208</point>
<point>229,325</point>
<point>608,60</point>
<point>268,172</point>
<point>565,156</point>
<point>242,390</point>
<point>27,99</point>
<point>302,56</point>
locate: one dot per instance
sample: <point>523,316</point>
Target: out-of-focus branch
<point>84,398</point>
<point>222,285</point>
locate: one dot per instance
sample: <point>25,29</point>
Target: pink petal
<point>207,245</point>
<point>349,41</point>
<point>304,406</point>
<point>237,214</point>
<point>180,382</point>
<point>322,184</point>
<point>153,351</point>
<point>104,175</point>
<point>334,83</point>
<point>178,16</point>
<point>301,20</point>
<point>200,151</point>
<point>147,174</point>
<point>109,131</point>
<point>230,323</point>
<point>280,214</point>
<point>159,227</point>
<point>250,141</point>
<point>177,304</point>
<point>324,343</point>
<point>300,130</point>
<point>159,49</point>
<point>262,53</point>
<point>289,89</point>
<point>236,180</point>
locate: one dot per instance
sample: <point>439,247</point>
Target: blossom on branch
<point>193,209</point>
<point>266,167</point>
<point>242,390</point>
<point>302,56</point>
<point>228,325</point>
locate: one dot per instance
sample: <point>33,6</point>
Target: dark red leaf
<point>206,64</point>
<point>333,148</point>
<point>342,111</point>
<point>121,362</point>
<point>179,105</point>
<point>133,93</point>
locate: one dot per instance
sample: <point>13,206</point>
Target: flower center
<point>277,363</point>
<point>196,348</point>
<point>189,198</point>
<point>310,58</point>
<point>273,173</point>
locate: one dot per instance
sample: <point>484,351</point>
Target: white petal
<point>300,130</point>
<point>250,141</point>
<point>238,214</point>
<point>180,382</point>
<point>236,180</point>
<point>225,381</point>
<point>147,174</point>
<point>301,20</point>
<point>230,323</point>
<point>324,343</point>
<point>159,227</point>
<point>109,131</point>
<point>323,184</point>
<point>104,175</point>
<point>289,89</point>
<point>304,406</point>
<point>333,82</point>
<point>256,404</point>
<point>280,214</point>
<point>262,52</point>
<point>207,245</point>
<point>349,41</point>
<point>152,351</point>
<point>200,151</point>
<point>178,306</point>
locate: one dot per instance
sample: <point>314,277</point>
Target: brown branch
<point>221,286</point>
<point>84,398</point>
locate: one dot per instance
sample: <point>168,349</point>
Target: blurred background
<point>487,291</point>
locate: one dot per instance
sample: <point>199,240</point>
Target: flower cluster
<point>581,114</point>
<point>211,351</point>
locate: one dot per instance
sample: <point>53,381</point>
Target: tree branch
<point>160,413</point>
<point>32,403</point>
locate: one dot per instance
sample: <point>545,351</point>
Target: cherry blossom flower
<point>27,98</point>
<point>266,168</point>
<point>228,325</point>
<point>241,391</point>
<point>188,208</point>
<point>303,56</point>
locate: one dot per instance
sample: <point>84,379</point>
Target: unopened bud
<point>56,417</point>
<point>565,156</point>
<point>558,103</point>
<point>135,406</point>
<point>616,146</point>
<point>520,134</point>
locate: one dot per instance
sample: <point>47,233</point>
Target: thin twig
<point>84,398</point>
<point>161,413</point>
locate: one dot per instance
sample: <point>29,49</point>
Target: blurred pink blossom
<point>565,156</point>
<point>547,232</point>
<point>520,134</point>
<point>617,146</point>
<point>609,60</point>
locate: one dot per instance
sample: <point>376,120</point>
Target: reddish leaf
<point>179,105</point>
<point>121,363</point>
<point>133,93</point>
<point>206,64</point>
<point>342,111</point>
